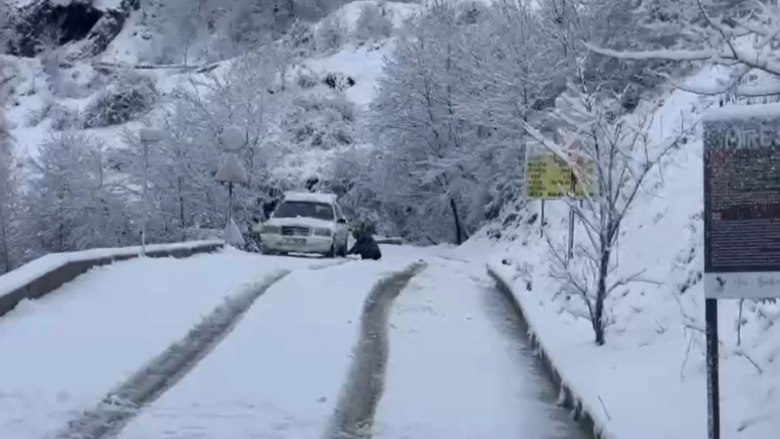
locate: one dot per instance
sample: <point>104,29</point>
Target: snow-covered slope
<point>39,106</point>
<point>648,381</point>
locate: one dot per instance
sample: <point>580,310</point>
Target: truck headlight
<point>273,230</point>
<point>323,232</point>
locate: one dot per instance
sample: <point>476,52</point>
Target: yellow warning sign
<point>549,177</point>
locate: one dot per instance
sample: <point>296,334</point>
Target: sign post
<point>147,136</point>
<point>573,188</point>
<point>741,220</point>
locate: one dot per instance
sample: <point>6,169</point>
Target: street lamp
<point>148,136</point>
<point>231,171</point>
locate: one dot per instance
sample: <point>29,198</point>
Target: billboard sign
<point>548,177</point>
<point>742,203</point>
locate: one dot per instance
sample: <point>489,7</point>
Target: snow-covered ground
<point>279,373</point>
<point>63,353</point>
<point>648,381</point>
<point>459,367</point>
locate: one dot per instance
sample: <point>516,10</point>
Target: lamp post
<point>231,171</point>
<point>148,136</point>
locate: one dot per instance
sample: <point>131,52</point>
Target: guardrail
<point>47,273</point>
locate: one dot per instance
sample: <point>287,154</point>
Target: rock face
<point>49,23</point>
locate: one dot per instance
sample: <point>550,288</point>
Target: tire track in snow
<point>354,415</point>
<point>324,265</point>
<point>121,405</point>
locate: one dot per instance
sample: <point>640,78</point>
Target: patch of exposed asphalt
<point>354,415</point>
<point>121,405</point>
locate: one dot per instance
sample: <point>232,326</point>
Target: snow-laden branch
<point>670,55</point>
<point>730,41</point>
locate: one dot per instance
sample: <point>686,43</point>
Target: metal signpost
<point>231,171</point>
<point>148,136</point>
<point>741,220</point>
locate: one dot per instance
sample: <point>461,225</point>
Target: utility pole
<point>147,136</point>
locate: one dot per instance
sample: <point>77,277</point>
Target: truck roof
<point>310,197</point>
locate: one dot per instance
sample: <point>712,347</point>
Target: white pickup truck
<point>305,222</point>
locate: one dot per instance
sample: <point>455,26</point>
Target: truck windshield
<point>305,209</point>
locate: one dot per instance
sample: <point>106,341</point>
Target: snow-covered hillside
<point>76,94</point>
<point>648,380</point>
<point>44,100</point>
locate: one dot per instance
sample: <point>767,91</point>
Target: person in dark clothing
<point>365,245</point>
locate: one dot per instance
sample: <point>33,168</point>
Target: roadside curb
<point>566,398</point>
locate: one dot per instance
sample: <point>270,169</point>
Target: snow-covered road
<point>63,353</point>
<point>457,365</point>
<point>280,372</point>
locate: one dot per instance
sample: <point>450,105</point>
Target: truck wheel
<point>332,252</point>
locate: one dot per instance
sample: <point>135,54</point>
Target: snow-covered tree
<point>72,203</point>
<point>332,32</point>
<point>614,157</point>
<point>9,197</point>
<point>741,34</point>
<point>9,193</point>
<point>426,148</point>
<point>182,166</point>
<point>513,70</point>
<point>49,41</point>
<point>373,22</point>
<point>520,73</point>
<point>4,11</point>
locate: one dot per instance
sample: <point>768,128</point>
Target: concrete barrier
<point>567,399</point>
<point>47,273</point>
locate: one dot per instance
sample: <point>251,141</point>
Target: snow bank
<point>36,269</point>
<point>648,381</point>
<point>363,64</point>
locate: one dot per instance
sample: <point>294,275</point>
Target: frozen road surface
<point>246,346</point>
<point>459,367</point>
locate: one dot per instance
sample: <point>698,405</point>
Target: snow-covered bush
<point>306,79</point>
<point>35,116</point>
<point>338,81</point>
<point>471,12</point>
<point>321,122</point>
<point>332,32</point>
<point>131,97</point>
<point>372,22</point>
<point>61,116</point>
